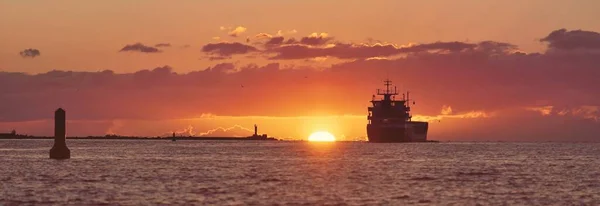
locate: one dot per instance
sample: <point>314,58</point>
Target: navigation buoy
<point>60,150</point>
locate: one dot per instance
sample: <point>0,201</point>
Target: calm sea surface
<point>146,172</point>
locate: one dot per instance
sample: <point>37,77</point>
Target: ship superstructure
<point>390,119</point>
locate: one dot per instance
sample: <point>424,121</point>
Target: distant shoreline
<point>140,138</point>
<point>23,137</point>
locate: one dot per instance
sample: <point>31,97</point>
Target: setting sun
<point>321,137</point>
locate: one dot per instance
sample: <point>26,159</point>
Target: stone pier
<point>60,150</point>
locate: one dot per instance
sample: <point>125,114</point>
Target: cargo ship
<point>390,119</point>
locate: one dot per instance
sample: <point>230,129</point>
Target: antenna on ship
<point>387,85</point>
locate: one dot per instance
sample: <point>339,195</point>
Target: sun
<point>321,137</point>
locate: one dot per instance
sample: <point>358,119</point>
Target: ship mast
<point>387,85</point>
<point>388,100</point>
<point>387,94</point>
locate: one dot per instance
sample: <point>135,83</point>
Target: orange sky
<point>495,63</point>
<point>84,36</point>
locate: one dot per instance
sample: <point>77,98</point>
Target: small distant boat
<point>173,139</point>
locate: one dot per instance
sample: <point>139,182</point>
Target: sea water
<point>149,172</point>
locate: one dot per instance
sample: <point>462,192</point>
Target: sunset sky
<point>478,70</point>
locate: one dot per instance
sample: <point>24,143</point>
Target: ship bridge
<point>387,109</point>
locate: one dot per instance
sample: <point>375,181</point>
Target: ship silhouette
<point>390,120</point>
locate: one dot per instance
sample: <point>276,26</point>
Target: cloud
<point>466,115</point>
<point>235,32</point>
<point>277,47</point>
<point>446,46</point>
<point>278,38</point>
<point>316,39</point>
<point>543,110</point>
<point>570,40</point>
<point>263,35</point>
<point>281,33</point>
<point>139,47</point>
<point>29,53</point>
<point>587,112</point>
<point>312,40</point>
<point>317,59</point>
<point>163,45</point>
<point>187,131</point>
<point>114,126</point>
<point>364,51</point>
<point>227,49</point>
<point>446,110</point>
<point>234,131</point>
<point>275,41</point>
<point>584,111</point>
<point>191,131</point>
<point>492,47</point>
<point>447,113</point>
<point>217,58</point>
<point>321,45</point>
<point>469,81</point>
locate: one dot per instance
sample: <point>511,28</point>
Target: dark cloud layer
<point>315,40</point>
<point>576,39</point>
<point>227,49</point>
<point>319,45</point>
<point>444,46</point>
<point>363,51</point>
<point>32,53</point>
<point>474,80</point>
<point>139,47</point>
<point>275,41</point>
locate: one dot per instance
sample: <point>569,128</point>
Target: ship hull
<point>400,132</point>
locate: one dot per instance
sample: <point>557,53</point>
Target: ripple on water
<point>267,173</point>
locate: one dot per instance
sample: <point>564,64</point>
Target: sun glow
<point>321,137</point>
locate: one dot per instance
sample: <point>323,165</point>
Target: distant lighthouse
<point>60,150</point>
